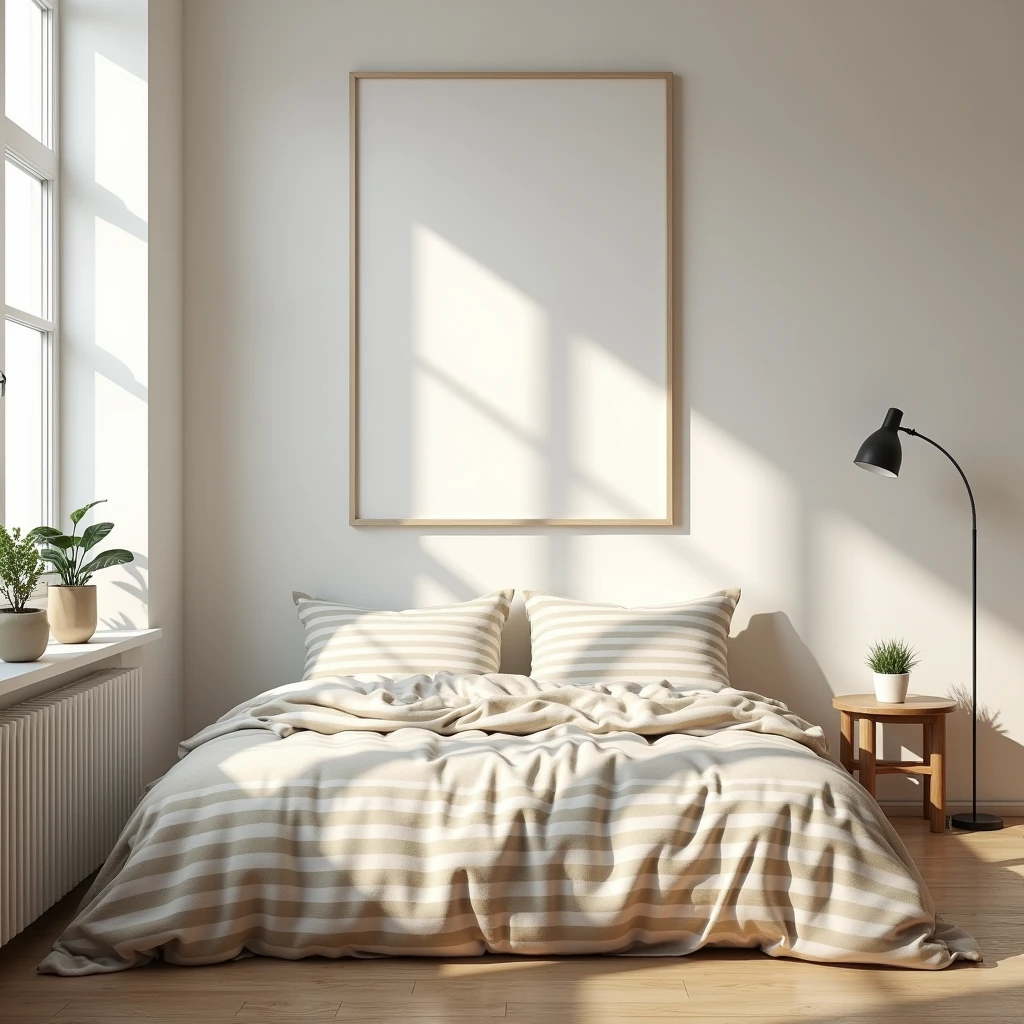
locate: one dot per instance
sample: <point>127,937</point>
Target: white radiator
<point>70,776</point>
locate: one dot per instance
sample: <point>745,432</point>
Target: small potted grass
<point>891,661</point>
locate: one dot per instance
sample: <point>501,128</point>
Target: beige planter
<point>23,635</point>
<point>72,613</point>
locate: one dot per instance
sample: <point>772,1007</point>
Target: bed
<point>457,814</point>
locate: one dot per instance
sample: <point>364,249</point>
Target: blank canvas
<point>511,300</point>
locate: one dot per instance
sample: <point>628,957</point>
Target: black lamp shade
<point>882,452</point>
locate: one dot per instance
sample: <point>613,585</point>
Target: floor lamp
<point>882,453</point>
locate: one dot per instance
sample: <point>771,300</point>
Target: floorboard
<point>977,881</point>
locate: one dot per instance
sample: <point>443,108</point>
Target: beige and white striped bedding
<point>577,642</point>
<point>454,815</point>
<point>342,640</point>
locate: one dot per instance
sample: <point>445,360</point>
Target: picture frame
<point>401,139</point>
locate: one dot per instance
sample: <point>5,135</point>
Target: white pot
<point>891,689</point>
<point>23,635</point>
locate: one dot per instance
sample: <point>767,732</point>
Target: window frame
<point>42,161</point>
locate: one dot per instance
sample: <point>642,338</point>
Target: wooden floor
<point>977,880</point>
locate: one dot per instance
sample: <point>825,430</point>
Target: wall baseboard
<point>912,808</point>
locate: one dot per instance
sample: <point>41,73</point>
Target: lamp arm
<point>963,475</point>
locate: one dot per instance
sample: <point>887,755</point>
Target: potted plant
<point>24,632</point>
<point>72,602</point>
<point>891,662</point>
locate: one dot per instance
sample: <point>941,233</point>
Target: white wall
<point>121,338</point>
<point>164,665</point>
<point>852,237</point>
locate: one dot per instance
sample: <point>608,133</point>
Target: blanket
<point>456,815</point>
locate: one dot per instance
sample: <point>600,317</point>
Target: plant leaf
<point>94,534</point>
<point>115,556</point>
<point>56,559</point>
<point>41,533</point>
<point>64,543</point>
<point>79,513</point>
<point>892,657</point>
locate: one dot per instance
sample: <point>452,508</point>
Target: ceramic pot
<point>72,613</point>
<point>891,689</point>
<point>23,635</point>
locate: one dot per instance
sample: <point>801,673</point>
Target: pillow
<point>346,641</point>
<point>582,643</point>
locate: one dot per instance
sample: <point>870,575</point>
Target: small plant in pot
<point>891,662</point>
<point>72,602</point>
<point>24,632</point>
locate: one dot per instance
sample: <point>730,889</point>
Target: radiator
<point>70,776</point>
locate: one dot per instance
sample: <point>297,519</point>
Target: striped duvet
<point>453,815</point>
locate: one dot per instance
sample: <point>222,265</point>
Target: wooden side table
<point>929,712</point>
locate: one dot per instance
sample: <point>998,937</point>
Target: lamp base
<point>977,822</point>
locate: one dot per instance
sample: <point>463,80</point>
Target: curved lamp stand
<point>882,453</point>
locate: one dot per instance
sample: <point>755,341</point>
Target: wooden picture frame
<point>357,514</point>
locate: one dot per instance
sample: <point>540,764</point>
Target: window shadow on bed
<point>715,984</point>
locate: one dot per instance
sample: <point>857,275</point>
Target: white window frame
<point>42,161</point>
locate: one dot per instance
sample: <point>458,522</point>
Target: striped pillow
<point>345,641</point>
<point>587,644</point>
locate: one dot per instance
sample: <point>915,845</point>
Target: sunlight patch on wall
<point>122,297</point>
<point>906,754</point>
<point>613,476</point>
<point>602,566</point>
<point>462,567</point>
<point>120,428</point>
<point>476,340</point>
<point>743,531</point>
<point>121,432</point>
<point>746,518</point>
<point>876,591</point>
<point>122,132</point>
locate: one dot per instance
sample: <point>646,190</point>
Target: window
<point>28,470</point>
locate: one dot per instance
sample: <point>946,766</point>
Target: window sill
<point>62,659</point>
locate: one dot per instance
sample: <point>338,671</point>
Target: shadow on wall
<point>136,585</point>
<point>769,657</point>
<point>998,753</point>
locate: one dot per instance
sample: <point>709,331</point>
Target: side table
<point>929,712</point>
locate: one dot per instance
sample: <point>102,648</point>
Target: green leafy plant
<point>20,567</point>
<point>892,657</point>
<point>66,553</point>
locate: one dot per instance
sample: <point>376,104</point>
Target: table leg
<point>926,757</point>
<point>867,754</point>
<point>938,777</point>
<point>846,740</point>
